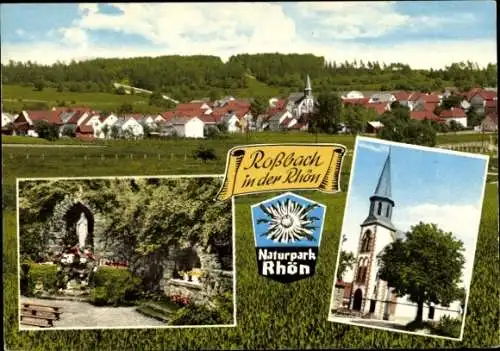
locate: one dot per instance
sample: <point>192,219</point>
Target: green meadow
<point>14,96</point>
<point>270,315</point>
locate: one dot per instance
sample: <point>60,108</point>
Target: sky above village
<point>428,185</point>
<point>421,34</point>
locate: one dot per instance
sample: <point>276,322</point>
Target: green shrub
<point>192,314</point>
<point>204,153</point>
<point>195,315</point>
<point>448,326</point>
<point>46,274</point>
<point>114,286</point>
<point>99,296</point>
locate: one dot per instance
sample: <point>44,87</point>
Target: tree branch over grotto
<point>427,266</point>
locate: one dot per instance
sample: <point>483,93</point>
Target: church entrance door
<point>358,298</point>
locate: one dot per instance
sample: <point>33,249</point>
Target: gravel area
<point>83,315</point>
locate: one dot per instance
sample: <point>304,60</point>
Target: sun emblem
<point>288,221</point>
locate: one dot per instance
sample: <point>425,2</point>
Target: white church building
<point>370,296</point>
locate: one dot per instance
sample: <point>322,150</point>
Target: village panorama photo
<point>125,252</point>
<point>408,238</point>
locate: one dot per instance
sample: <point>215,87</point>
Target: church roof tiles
<point>383,188</point>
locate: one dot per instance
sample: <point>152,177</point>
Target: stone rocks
<point>58,226</point>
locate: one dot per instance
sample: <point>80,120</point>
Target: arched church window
<point>361,269</point>
<point>379,210</point>
<point>366,243</point>
<point>387,211</point>
<point>363,276</point>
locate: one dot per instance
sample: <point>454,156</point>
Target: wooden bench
<point>39,315</point>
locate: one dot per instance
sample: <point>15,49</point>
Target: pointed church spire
<point>384,182</point>
<point>308,83</point>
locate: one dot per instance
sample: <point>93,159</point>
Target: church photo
<point>408,238</point>
<point>124,252</point>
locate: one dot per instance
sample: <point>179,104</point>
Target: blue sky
<point>427,185</point>
<point>260,228</point>
<point>422,34</point>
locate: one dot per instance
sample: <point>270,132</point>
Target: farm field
<point>269,314</point>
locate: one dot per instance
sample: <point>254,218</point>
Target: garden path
<point>82,315</point>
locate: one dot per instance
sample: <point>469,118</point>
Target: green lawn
<point>256,88</point>
<point>9,139</point>
<point>255,137</point>
<point>269,315</point>
<point>14,96</point>
<point>452,138</point>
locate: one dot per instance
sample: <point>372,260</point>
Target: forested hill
<point>184,77</point>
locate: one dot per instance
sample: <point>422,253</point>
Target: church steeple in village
<point>308,89</point>
<point>381,204</point>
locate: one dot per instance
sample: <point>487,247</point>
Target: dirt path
<point>82,315</point>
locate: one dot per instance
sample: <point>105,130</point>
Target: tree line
<point>191,77</point>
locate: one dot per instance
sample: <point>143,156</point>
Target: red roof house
<point>85,132</point>
<point>361,101</point>
<point>454,112</point>
<point>401,95</point>
<point>424,116</point>
<point>51,117</point>
<point>482,94</point>
<point>378,107</point>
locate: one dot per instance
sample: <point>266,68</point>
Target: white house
<point>237,120</point>
<point>371,295</point>
<point>353,95</point>
<point>131,127</point>
<point>188,127</point>
<point>382,97</point>
<point>25,121</point>
<point>159,118</point>
<point>233,123</point>
<point>109,120</point>
<point>455,114</point>
<point>7,118</point>
<point>148,120</point>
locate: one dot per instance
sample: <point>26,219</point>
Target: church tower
<point>308,89</point>
<point>306,104</point>
<point>377,231</point>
